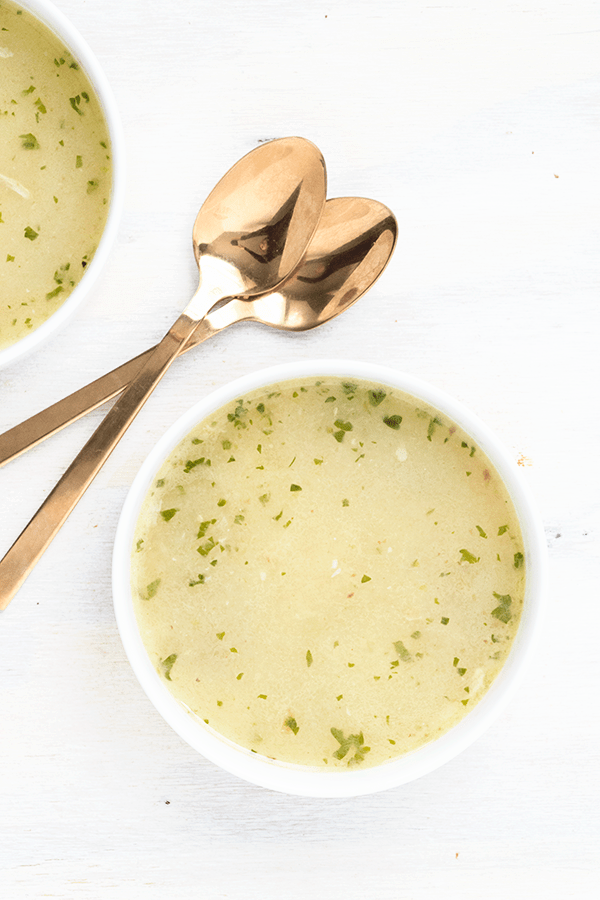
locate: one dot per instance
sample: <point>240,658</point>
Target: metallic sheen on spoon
<point>351,247</point>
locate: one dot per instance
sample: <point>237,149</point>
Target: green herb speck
<point>402,652</point>
<point>168,514</point>
<point>393,422</point>
<point>152,588</point>
<point>376,397</point>
<point>291,723</point>
<point>167,664</point>
<point>468,557</point>
<point>29,142</point>
<point>502,611</point>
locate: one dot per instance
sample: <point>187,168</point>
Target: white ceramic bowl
<point>73,41</point>
<point>303,780</point>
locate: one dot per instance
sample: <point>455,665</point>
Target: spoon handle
<point>47,521</point>
<point>49,421</point>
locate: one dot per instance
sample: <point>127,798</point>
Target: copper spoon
<point>351,247</point>
<point>249,236</point>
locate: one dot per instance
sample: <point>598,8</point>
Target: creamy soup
<point>55,172</point>
<point>328,573</point>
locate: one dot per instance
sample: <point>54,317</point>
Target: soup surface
<point>328,573</point>
<point>55,173</point>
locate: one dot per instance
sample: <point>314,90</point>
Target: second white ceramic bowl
<point>73,41</point>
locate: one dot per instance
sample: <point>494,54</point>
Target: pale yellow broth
<point>55,173</point>
<point>328,573</point>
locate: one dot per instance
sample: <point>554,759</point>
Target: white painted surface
<point>479,126</point>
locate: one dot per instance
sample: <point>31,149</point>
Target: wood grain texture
<point>478,125</point>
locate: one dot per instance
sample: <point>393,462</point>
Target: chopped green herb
<point>376,397</point>
<point>57,290</point>
<point>339,697</point>
<point>192,463</point>
<point>339,436</point>
<point>204,526</point>
<point>138,545</point>
<point>10,258</point>
<point>416,635</point>
<point>262,697</point>
<point>291,723</point>
<point>239,519</point>
<point>29,142</point>
<point>519,560</point>
<point>502,611</point>
<point>455,663</point>
<point>221,502</point>
<point>481,531</point>
<point>295,487</point>
<point>468,557</point>
<point>152,588</point>
<point>343,426</point>
<point>345,503</point>
<point>75,104</point>
<point>205,549</point>
<point>78,162</point>
<point>393,422</point>
<point>168,664</point>
<point>226,445</point>
<point>260,407</point>
<point>309,658</point>
<point>461,672</point>
<point>353,740</point>
<point>402,652</point>
<point>168,514</point>
<point>200,580</point>
<point>365,578</point>
<point>502,530</point>
<point>30,234</point>
<point>318,462</point>
<point>264,498</point>
<point>433,422</point>
<point>240,676</point>
<point>330,400</point>
<point>444,620</point>
<point>220,635</point>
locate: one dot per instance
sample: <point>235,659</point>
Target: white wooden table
<point>479,125</point>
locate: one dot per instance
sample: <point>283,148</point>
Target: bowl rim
<point>302,780</point>
<point>58,23</point>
